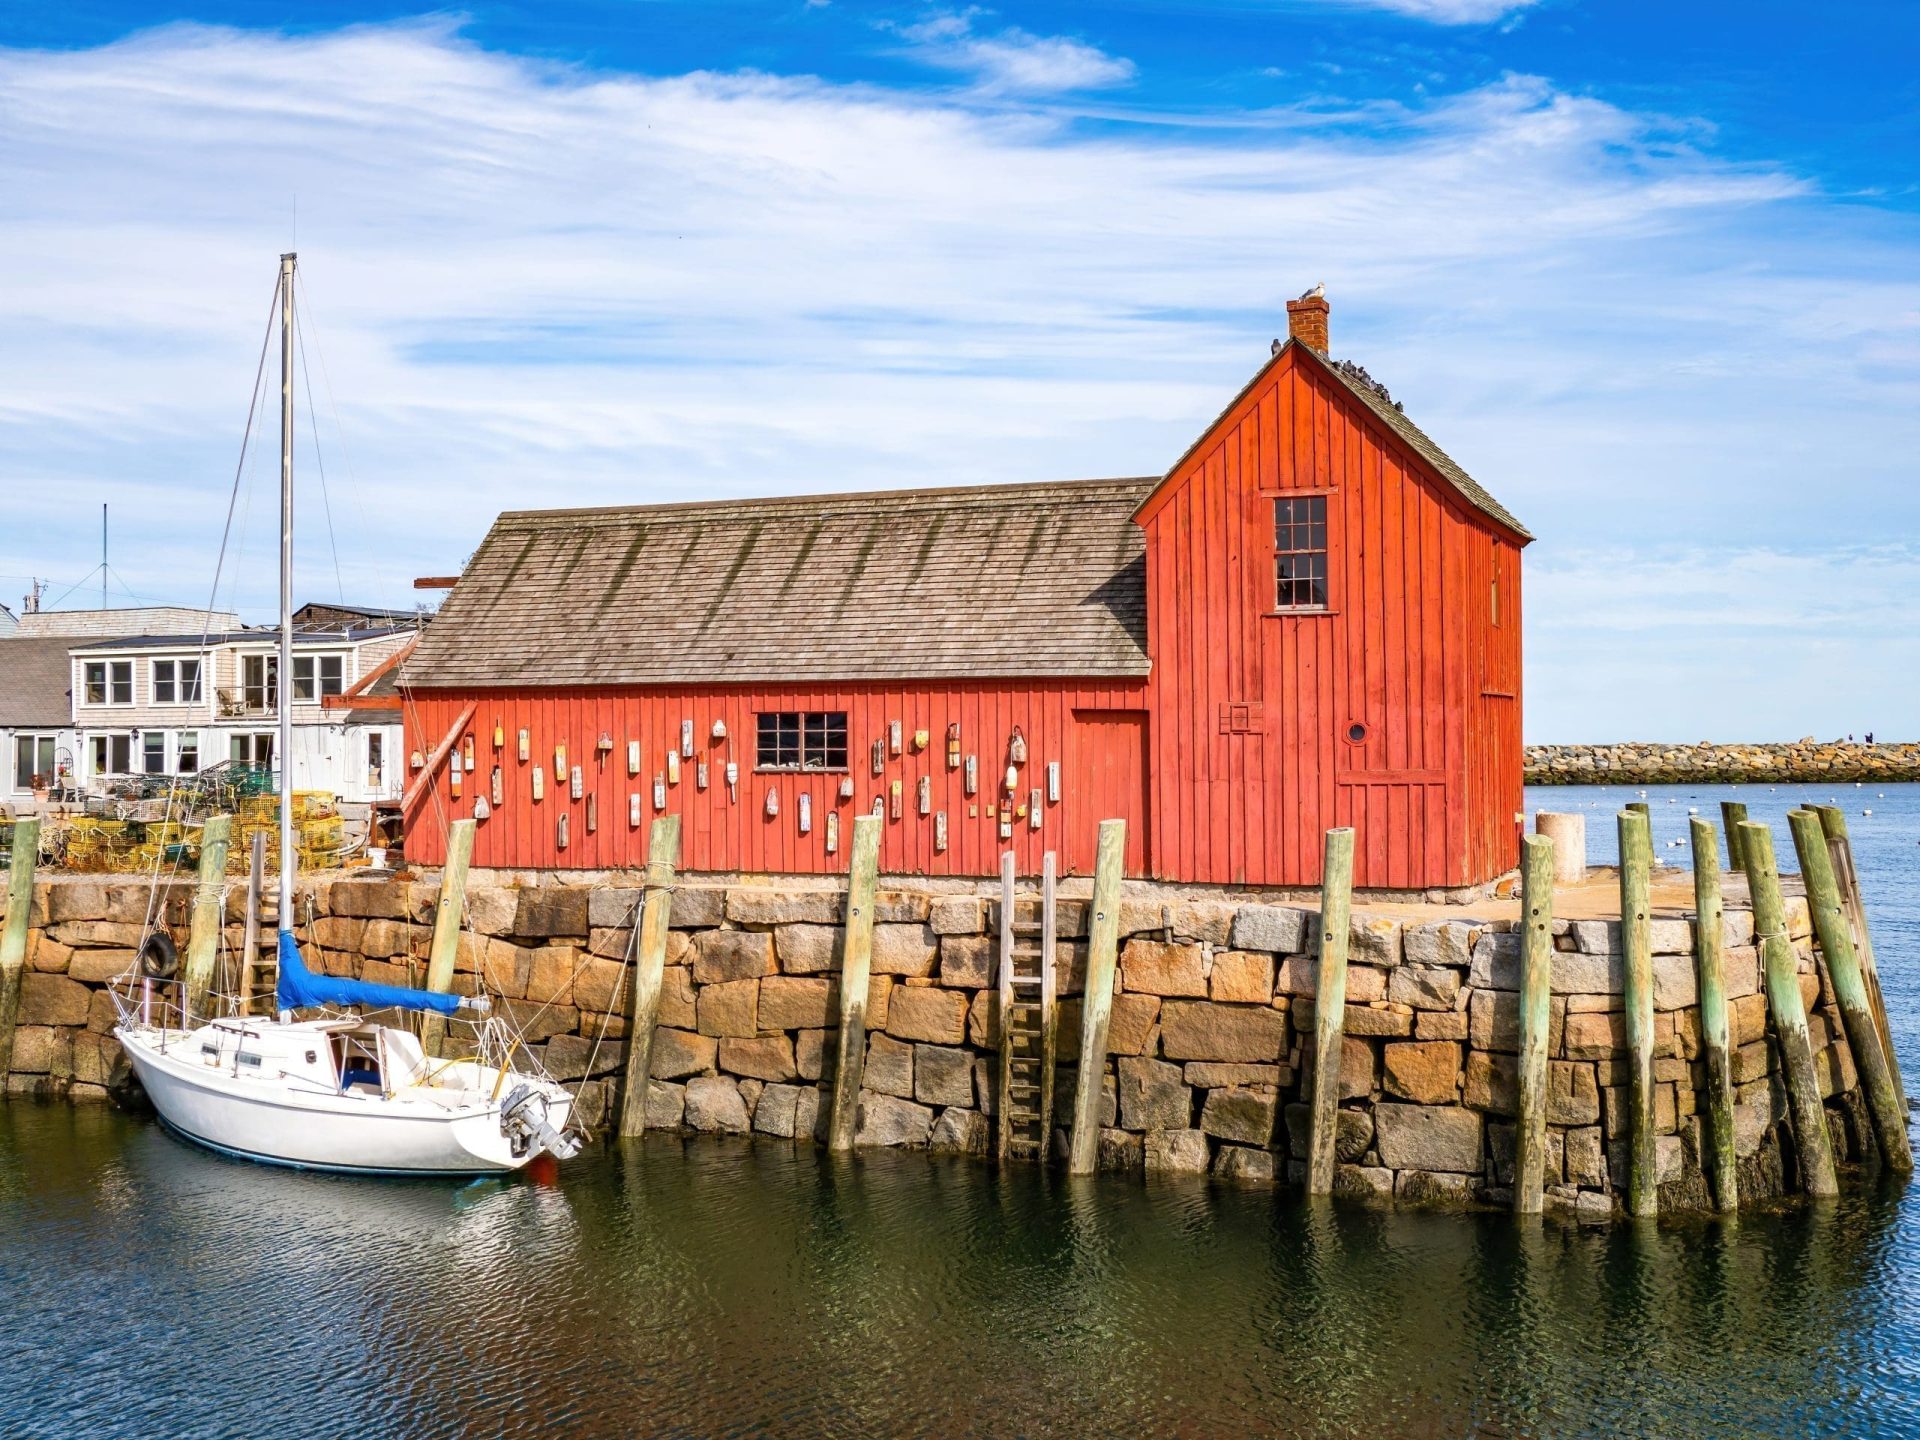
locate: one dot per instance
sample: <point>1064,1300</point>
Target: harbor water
<point>706,1287</point>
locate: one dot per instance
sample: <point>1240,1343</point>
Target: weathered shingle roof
<point>1000,580</point>
<point>36,682</point>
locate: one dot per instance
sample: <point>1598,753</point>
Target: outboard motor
<point>523,1120</point>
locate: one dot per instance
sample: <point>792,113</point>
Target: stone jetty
<point>1642,763</point>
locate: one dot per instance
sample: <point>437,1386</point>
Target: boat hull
<point>315,1129</point>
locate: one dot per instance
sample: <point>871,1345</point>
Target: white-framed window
<point>34,761</point>
<point>317,676</point>
<point>176,682</point>
<point>259,681</point>
<point>187,753</point>
<point>251,748</point>
<point>376,759</point>
<point>112,754</point>
<point>153,752</point>
<point>108,682</point>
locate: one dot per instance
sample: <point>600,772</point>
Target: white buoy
<point>1867,811</point>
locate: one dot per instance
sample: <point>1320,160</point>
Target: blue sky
<point>1652,273</point>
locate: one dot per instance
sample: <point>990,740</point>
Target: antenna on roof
<point>103,555</point>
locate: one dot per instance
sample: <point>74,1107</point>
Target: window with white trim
<point>176,682</point>
<point>108,682</point>
<point>317,676</point>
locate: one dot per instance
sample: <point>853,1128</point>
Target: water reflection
<point>702,1287</point>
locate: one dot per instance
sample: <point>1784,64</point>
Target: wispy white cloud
<point>1444,12</point>
<point>536,285</point>
<point>1011,60</point>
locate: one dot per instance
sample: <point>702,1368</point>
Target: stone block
<point>1573,1095</point>
<point>986,1085</point>
<point>1492,1083</point>
<point>1425,1072</point>
<point>677,1005</point>
<point>97,967</point>
<point>1435,1025</point>
<point>777,1111</point>
<point>43,1050</point>
<point>506,968</point>
<point>666,1105</point>
<point>1277,929</point>
<point>1432,1189</point>
<point>47,954</point>
<point>1352,1132</point>
<point>1121,1151</point>
<point>1591,1036</point>
<point>759,1057</point>
<point>549,974</point>
<point>899,907</point>
<point>757,905</point>
<point>52,1000</point>
<point>957,915</point>
<point>1740,971</point>
<point>1440,943</point>
<point>1176,1152</point>
<point>1241,977</point>
<point>1669,935</point>
<point>1373,940</point>
<point>983,1021</point>
<point>1424,988</point>
<point>904,949</point>
<point>679,1052</point>
<point>722,955</point>
<point>729,1008</point>
<point>1675,985</point>
<point>1747,1019</point>
<point>1153,1095</point>
<point>960,1131</point>
<point>1367,1184</point>
<point>1373,1021</point>
<point>601,985</point>
<point>1596,937</point>
<point>797,1002</point>
<point>545,911</point>
<point>936,1016</point>
<point>697,907</point>
<point>78,899</point>
<point>613,907</point>
<point>942,1075</point>
<point>888,1120</point>
<point>1245,1115</point>
<point>814,1052</point>
<point>1212,1074</point>
<point>375,900</point>
<point>1149,967</point>
<point>889,1068</point>
<point>714,1103</point>
<point>807,949</point>
<point>967,961</point>
<point>1201,1030</point>
<point>1131,1027</point>
<point>1240,1165</point>
<point>1428,1137</point>
<point>1585,1157</point>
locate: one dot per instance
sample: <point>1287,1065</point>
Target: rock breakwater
<point>1640,763</point>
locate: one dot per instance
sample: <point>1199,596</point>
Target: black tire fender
<point>159,960</point>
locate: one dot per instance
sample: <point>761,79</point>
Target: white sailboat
<point>337,1092</point>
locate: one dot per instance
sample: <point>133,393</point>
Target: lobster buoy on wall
<point>158,959</point>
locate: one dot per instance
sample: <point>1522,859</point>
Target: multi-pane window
<point>33,761</point>
<point>188,753</point>
<point>260,681</point>
<point>803,740</point>
<point>176,682</point>
<point>318,675</point>
<point>112,754</point>
<point>1300,552</point>
<point>256,749</point>
<point>153,752</point>
<point>109,682</point>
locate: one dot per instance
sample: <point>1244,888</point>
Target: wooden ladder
<point>1025,1123</point>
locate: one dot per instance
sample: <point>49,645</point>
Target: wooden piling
<point>1833,821</point>
<point>1330,1008</point>
<point>1782,971</point>
<point>1536,1014</point>
<point>1715,1037</point>
<point>13,939</point>
<point>250,933</point>
<point>1103,951</point>
<point>1733,815</point>
<point>1636,944</point>
<point>649,971</point>
<point>209,916</point>
<point>1568,832</point>
<point>1835,934</point>
<point>449,914</point>
<point>856,971</point>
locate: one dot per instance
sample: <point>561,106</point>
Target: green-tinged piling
<point>13,939</point>
<point>856,972</point>
<point>1636,945</point>
<point>1103,949</point>
<point>1733,814</point>
<point>209,916</point>
<point>1329,1008</point>
<point>449,914</point>
<point>1833,821</point>
<point>1789,1011</point>
<point>1536,1013</point>
<point>1715,1036</point>
<point>649,971</point>
<point>1830,926</point>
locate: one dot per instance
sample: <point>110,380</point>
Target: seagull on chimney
<point>1318,292</point>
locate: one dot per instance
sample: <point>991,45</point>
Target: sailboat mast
<point>283,688</point>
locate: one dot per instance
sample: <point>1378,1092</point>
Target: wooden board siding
<point>1243,795</point>
<point>719,835</point>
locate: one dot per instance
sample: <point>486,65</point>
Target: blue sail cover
<point>300,988</point>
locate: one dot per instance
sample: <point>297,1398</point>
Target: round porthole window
<point>1356,732</point>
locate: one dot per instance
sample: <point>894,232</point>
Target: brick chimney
<point>1307,319</point>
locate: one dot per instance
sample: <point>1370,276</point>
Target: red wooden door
<point>1107,778</point>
